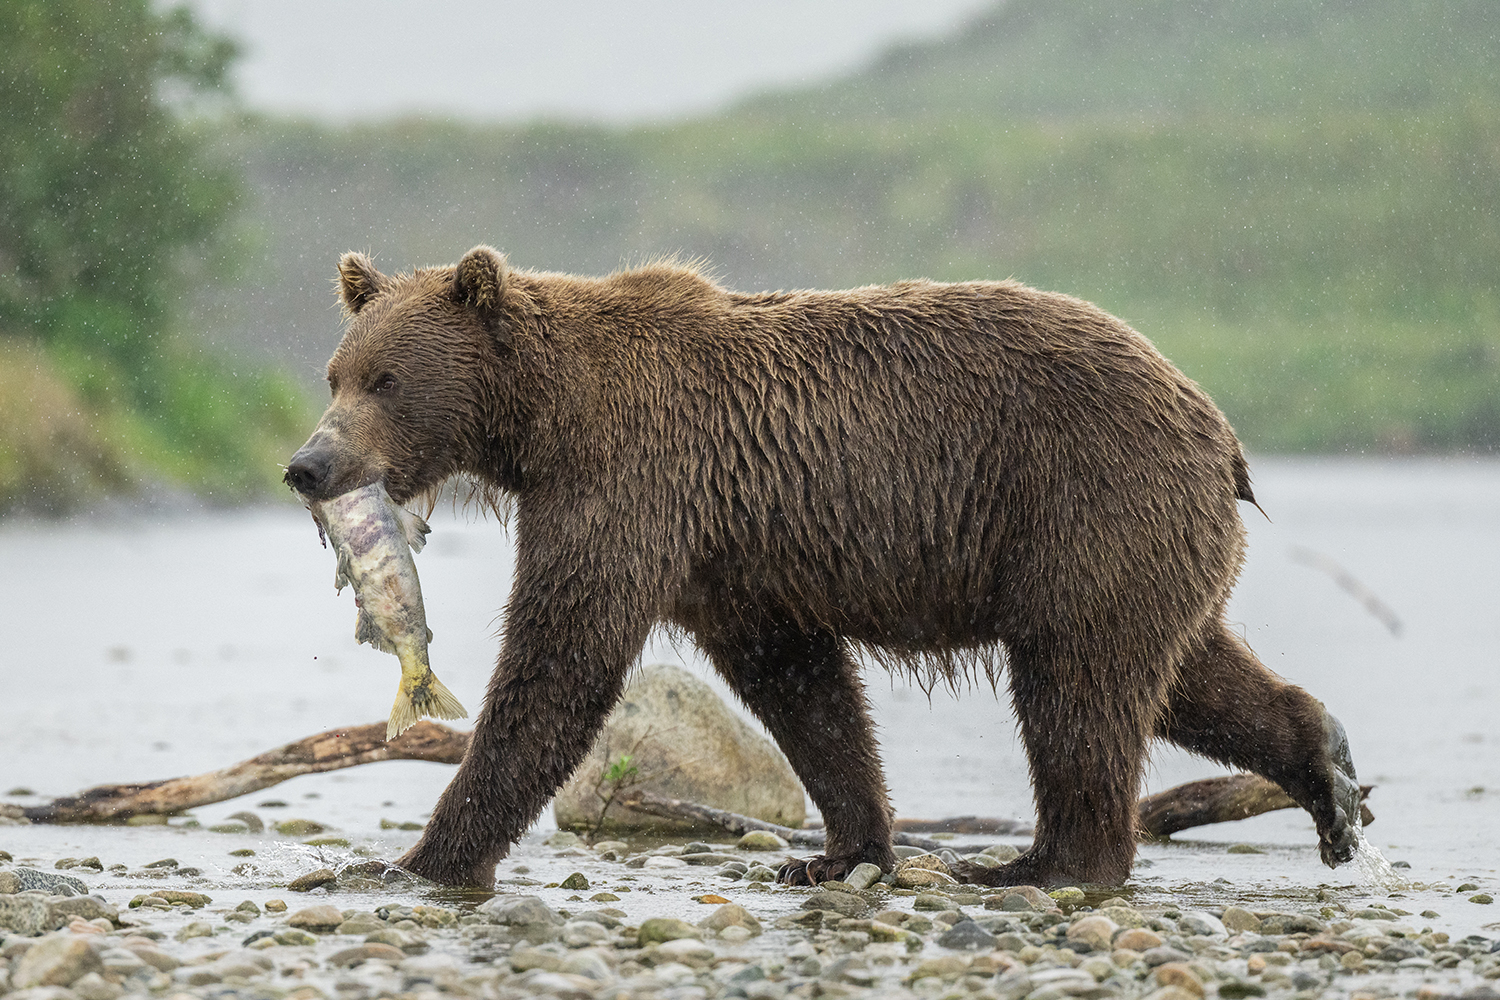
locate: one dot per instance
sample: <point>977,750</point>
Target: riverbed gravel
<point>701,920</point>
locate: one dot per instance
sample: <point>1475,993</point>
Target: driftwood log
<point>1213,800</point>
<point>330,751</point>
<point>660,805</point>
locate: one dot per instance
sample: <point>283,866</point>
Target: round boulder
<point>683,742</point>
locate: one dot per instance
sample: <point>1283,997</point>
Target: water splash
<point>1372,865</point>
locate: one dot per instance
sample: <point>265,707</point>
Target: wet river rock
<point>685,743</point>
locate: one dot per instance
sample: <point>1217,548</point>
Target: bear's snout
<point>308,471</point>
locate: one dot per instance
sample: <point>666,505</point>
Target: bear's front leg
<point>805,688</point>
<point>570,640</point>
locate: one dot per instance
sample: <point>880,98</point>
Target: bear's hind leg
<point>805,689</point>
<point>1228,707</point>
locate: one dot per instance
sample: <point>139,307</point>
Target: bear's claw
<point>814,870</point>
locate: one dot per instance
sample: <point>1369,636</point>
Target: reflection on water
<point>147,647</point>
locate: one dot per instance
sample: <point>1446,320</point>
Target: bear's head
<point>408,378</point>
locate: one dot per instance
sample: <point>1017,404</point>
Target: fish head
<point>406,378</point>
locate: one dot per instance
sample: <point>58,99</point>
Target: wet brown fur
<point>942,475</point>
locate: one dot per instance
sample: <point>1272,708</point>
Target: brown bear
<point>943,476</point>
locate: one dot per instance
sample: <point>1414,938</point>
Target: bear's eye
<point>384,383</point>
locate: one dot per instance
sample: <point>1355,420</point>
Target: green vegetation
<point>110,210</point>
<point>1298,201</point>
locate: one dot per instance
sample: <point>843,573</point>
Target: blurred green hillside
<point>1298,201</point>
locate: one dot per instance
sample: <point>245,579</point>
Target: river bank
<point>698,920</point>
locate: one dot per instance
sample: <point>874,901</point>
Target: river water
<point>147,644</point>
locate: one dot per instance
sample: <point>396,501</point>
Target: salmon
<point>374,540</point>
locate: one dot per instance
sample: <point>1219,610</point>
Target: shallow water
<point>147,645</point>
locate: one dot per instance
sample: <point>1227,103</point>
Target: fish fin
<point>429,637</point>
<point>440,702</point>
<point>413,527</point>
<point>341,571</point>
<point>366,629</point>
<point>425,697</point>
<point>403,714</point>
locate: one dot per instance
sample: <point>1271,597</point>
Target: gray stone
<point>761,840</point>
<point>1164,954</point>
<point>58,960</point>
<point>967,935</point>
<point>685,743</point>
<point>93,986</point>
<point>582,933</point>
<point>1237,919</point>
<point>1200,924</point>
<point>587,964</point>
<point>87,907</point>
<point>28,915</point>
<point>361,924</point>
<point>933,902</point>
<point>50,882</point>
<point>411,944</point>
<point>295,936</point>
<point>731,915</point>
<point>312,880</point>
<point>298,827</point>
<point>196,929</point>
<point>252,821</point>
<point>513,910</point>
<point>864,875</point>
<point>846,903</point>
<point>663,929</point>
<point>317,918</point>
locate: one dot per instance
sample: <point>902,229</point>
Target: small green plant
<point>621,770</point>
<point>619,777</point>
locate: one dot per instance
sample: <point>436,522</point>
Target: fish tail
<point>424,697</point>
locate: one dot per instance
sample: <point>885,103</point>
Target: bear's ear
<point>359,282</point>
<point>479,283</point>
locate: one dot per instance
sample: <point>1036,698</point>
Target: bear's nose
<point>308,470</point>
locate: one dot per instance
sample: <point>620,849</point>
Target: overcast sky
<point>603,60</point>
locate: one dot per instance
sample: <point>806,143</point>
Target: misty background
<point>1297,201</point>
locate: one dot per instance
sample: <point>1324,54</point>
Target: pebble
<point>299,827</point>
<point>317,918</point>
<point>1095,931</point>
<point>661,929</point>
<point>967,935</point>
<point>57,960</point>
<point>312,880</point>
